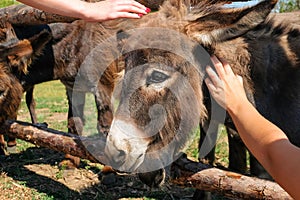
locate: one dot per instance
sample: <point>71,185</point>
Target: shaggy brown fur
<point>15,57</point>
<point>6,31</point>
<point>267,56</point>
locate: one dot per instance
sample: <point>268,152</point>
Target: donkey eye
<point>2,93</point>
<point>156,77</point>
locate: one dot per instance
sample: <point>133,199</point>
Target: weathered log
<point>229,184</point>
<point>83,147</point>
<point>25,15</point>
<point>192,174</point>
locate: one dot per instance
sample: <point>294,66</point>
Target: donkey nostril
<point>117,156</point>
<point>121,155</point>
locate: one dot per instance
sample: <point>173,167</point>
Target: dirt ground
<point>34,174</point>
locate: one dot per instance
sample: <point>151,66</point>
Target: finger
<point>130,4</point>
<point>216,81</point>
<point>139,5</point>
<point>240,79</point>
<point>127,15</point>
<point>218,66</point>
<point>227,68</point>
<point>130,8</point>
<point>210,85</point>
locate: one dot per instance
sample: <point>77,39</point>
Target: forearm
<point>259,134</point>
<point>265,140</point>
<point>92,12</point>
<point>270,146</point>
<point>75,8</point>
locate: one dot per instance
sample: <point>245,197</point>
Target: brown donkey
<point>15,57</point>
<point>163,92</point>
<point>61,60</point>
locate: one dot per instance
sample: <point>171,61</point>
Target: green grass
<point>51,105</point>
<point>222,147</point>
<point>192,150</point>
<point>4,3</point>
<point>22,145</point>
<point>51,95</point>
<point>90,116</point>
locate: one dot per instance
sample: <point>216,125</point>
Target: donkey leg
<point>105,108</point>
<point>76,104</point>
<point>210,156</point>
<point>31,104</point>
<point>209,129</point>
<point>75,123</point>
<point>11,143</point>
<point>31,107</point>
<point>207,157</point>
<point>103,97</point>
<point>75,126</point>
<point>237,152</point>
<point>237,156</point>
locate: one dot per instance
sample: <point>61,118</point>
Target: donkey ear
<point>226,23</point>
<point>39,41</point>
<point>16,53</point>
<point>19,54</point>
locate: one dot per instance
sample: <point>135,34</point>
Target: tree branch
<point>191,174</point>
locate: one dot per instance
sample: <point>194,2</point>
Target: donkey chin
<point>125,147</point>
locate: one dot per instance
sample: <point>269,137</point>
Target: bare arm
<point>266,141</point>
<point>98,11</point>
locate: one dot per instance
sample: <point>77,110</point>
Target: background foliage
<point>288,5</point>
<point>4,3</point>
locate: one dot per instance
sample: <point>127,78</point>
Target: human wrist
<point>238,107</point>
<point>81,10</point>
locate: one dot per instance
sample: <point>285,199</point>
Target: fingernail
<point>148,10</point>
<point>140,15</point>
<point>209,69</point>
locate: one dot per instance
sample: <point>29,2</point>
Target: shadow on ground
<point>38,169</point>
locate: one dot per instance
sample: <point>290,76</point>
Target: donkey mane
<point>269,29</point>
<point>283,34</point>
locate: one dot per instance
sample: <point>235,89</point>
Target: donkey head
<point>162,99</point>
<point>15,56</point>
